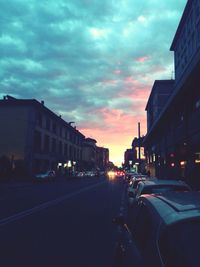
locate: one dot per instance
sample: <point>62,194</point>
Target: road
<point>66,223</point>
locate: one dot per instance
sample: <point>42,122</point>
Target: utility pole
<point>139,146</point>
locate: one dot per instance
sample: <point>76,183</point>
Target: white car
<point>156,186</point>
<point>133,185</point>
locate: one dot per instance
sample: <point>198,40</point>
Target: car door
<point>126,251</point>
<point>144,232</point>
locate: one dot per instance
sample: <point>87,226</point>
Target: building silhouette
<point>36,139</point>
<point>173,138</point>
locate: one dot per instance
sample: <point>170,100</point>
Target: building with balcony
<point>36,139</point>
<point>173,139</point>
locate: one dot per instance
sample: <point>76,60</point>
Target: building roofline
<point>153,88</point>
<point>181,84</point>
<point>181,23</point>
<point>14,101</point>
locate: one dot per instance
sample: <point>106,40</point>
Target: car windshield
<point>163,188</point>
<point>178,249</point>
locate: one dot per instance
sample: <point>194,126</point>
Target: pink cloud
<point>131,80</point>
<point>117,72</point>
<point>110,82</point>
<point>142,59</point>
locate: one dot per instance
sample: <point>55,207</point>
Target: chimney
<point>42,102</point>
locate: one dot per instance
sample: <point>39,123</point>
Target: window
<point>60,131</point>
<point>66,134</point>
<point>54,128</point>
<point>66,150</point>
<point>37,141</point>
<point>53,149</point>
<point>46,143</point>
<point>48,124</point>
<point>60,148</point>
<point>39,119</point>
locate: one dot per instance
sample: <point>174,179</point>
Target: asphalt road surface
<point>59,224</point>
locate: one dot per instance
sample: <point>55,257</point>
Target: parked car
<point>138,177</point>
<point>133,185</point>
<point>129,175</point>
<point>156,186</point>
<point>45,176</point>
<point>164,232</point>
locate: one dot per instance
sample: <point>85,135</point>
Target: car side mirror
<point>119,220</point>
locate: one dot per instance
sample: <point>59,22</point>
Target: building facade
<point>94,157</point>
<point>134,158</point>
<point>89,154</point>
<point>173,139</point>
<point>102,158</point>
<point>36,139</point>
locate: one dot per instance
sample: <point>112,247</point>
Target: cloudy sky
<point>92,61</point>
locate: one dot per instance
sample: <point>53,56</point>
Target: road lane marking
<point>45,205</point>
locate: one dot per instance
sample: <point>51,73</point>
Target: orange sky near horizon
<point>117,140</point>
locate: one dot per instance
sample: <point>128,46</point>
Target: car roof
<point>175,206</point>
<point>155,182</point>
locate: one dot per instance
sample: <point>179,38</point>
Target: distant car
<point>119,173</point>
<point>80,174</point>
<point>156,186</point>
<point>90,174</point>
<point>45,176</point>
<point>111,174</point>
<point>164,232</point>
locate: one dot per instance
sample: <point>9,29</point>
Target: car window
<point>179,244</point>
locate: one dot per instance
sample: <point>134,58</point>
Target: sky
<point>92,61</point>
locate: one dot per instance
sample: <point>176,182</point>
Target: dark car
<point>164,231</point>
<point>45,176</point>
